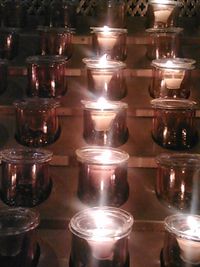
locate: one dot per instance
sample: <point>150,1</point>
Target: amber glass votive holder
<point>46,76</point>
<point>171,78</point>
<point>110,41</point>
<point>178,181</point>
<point>18,245</point>
<point>100,237</point>
<point>164,43</point>
<point>25,179</point>
<point>102,176</point>
<point>9,43</point>
<point>181,241</point>
<point>173,124</point>
<point>37,122</point>
<point>104,122</point>
<point>163,14</point>
<point>106,78</point>
<point>56,41</point>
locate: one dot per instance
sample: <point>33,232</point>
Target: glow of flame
<point>103,61</point>
<point>194,226</point>
<point>106,29</point>
<point>105,156</point>
<point>102,103</point>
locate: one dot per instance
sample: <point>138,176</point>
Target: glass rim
<point>111,64</point>
<point>110,29</point>
<point>56,29</point>
<point>173,103</point>
<point>165,2</point>
<point>46,59</point>
<point>37,103</point>
<point>25,155</point>
<point>32,217</point>
<point>91,154</point>
<point>170,226</point>
<point>121,231</point>
<point>169,30</point>
<point>178,159</point>
<point>174,63</point>
<point>109,105</point>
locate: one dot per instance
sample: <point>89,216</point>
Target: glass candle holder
<point>182,241</point>
<point>104,122</point>
<point>37,122</point>
<point>46,76</point>
<point>111,13</point>
<point>165,43</point>
<point>3,75</point>
<point>174,123</point>
<point>102,176</point>
<point>18,246</point>
<point>56,41</point>
<point>163,13</point>
<point>100,237</point>
<point>110,41</point>
<point>171,78</point>
<point>25,179</point>
<point>9,43</point>
<point>178,181</point>
<point>106,78</point>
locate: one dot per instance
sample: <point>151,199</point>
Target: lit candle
<point>111,41</point>
<point>173,77</point>
<point>106,231</point>
<point>107,39</point>
<point>189,242</point>
<point>100,72</point>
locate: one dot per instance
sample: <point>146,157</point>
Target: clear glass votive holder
<point>102,179</point>
<point>18,245</point>
<point>163,14</point>
<point>37,122</point>
<point>164,43</point>
<point>181,241</point>
<point>104,122</point>
<point>110,41</point>
<point>3,75</point>
<point>46,76</point>
<point>173,124</point>
<point>25,178</point>
<point>106,78</point>
<point>171,78</point>
<point>178,181</point>
<point>56,41</point>
<point>9,43</point>
<point>100,237</point>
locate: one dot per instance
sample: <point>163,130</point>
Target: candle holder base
<point>175,261</point>
<point>98,138</point>
<point>37,138</point>
<point>24,198</point>
<point>178,144</point>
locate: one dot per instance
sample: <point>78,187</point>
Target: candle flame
<point>103,61</point>
<point>106,29</point>
<point>102,103</point>
<point>105,156</point>
<point>194,226</point>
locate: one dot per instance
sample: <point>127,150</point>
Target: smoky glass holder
<point>178,181</point>
<point>56,41</point>
<point>105,126</point>
<point>109,41</point>
<point>181,241</point>
<point>9,45</point>
<point>25,176</point>
<point>106,80</point>
<point>163,14</point>
<point>102,179</point>
<point>173,124</point>
<point>18,244</point>
<point>164,43</point>
<point>171,78</point>
<point>46,76</point>
<point>37,122</point>
<point>100,243</point>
